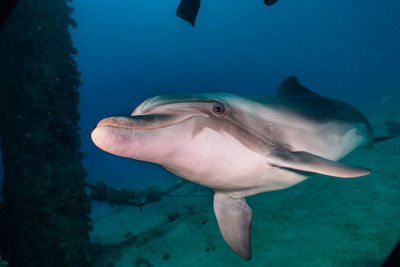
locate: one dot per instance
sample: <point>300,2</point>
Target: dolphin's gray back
<point>293,98</point>
<point>322,109</point>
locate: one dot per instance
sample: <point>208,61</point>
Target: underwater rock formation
<point>45,205</point>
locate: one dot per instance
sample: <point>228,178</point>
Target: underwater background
<point>129,50</point>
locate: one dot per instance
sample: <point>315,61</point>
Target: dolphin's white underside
<point>208,158</point>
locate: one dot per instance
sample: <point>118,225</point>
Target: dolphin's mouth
<point>144,122</point>
<point>142,137</point>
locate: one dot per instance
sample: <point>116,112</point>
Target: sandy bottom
<point>323,221</point>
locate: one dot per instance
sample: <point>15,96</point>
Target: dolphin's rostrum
<point>240,146</point>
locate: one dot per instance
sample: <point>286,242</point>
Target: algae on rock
<point>45,206</point>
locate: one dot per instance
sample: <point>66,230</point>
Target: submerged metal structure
<point>45,209</point>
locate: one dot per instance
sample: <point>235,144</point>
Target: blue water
<point>130,50</point>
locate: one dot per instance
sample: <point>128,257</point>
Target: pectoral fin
<point>234,221</point>
<point>304,161</point>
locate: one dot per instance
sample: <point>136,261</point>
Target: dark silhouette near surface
<point>270,2</point>
<point>188,9</point>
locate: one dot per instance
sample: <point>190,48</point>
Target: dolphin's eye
<point>219,109</point>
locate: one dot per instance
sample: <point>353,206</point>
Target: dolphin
<point>240,146</point>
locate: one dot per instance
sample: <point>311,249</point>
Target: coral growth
<point>45,206</point>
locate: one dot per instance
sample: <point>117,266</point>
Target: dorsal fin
<point>290,87</point>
